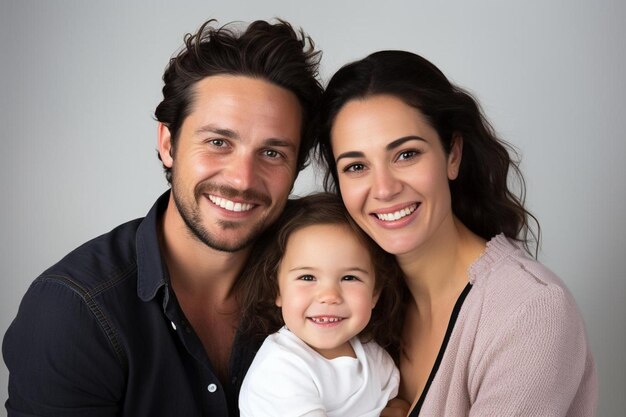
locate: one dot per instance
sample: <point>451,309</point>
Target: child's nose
<point>329,294</point>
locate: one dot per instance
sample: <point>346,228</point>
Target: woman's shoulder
<point>506,279</point>
<point>504,263</point>
<point>518,311</point>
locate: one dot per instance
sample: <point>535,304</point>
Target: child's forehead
<point>335,230</point>
<point>328,237</point>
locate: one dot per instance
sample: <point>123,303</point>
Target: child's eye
<point>306,278</point>
<point>349,278</point>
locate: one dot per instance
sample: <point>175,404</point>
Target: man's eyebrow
<point>390,146</point>
<point>281,143</point>
<point>231,134</point>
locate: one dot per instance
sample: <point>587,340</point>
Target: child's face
<point>326,288</point>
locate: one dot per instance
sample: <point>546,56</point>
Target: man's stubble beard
<point>192,216</point>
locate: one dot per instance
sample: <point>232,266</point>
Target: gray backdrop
<point>79,82</point>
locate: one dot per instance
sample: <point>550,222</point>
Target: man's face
<point>234,162</point>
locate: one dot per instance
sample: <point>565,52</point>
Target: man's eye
<point>218,142</point>
<point>272,153</point>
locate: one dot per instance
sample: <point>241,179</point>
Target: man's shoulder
<point>100,262</point>
<point>87,299</point>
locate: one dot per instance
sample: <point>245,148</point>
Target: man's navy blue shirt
<point>101,334</point>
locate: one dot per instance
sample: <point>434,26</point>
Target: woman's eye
<point>306,278</point>
<point>404,155</point>
<point>354,168</point>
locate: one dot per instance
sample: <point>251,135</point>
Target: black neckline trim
<point>442,350</point>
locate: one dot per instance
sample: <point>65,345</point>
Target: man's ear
<point>455,156</point>
<point>164,145</point>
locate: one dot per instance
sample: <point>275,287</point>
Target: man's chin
<point>223,236</point>
<point>229,241</point>
<point>228,247</point>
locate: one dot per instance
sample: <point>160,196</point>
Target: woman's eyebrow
<point>399,142</point>
<point>390,146</point>
<point>350,154</point>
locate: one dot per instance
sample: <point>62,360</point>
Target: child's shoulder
<point>283,347</point>
<point>372,350</point>
<point>377,356</point>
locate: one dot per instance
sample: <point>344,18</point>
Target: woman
<point>488,330</point>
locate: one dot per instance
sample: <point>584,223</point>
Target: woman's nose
<point>385,185</point>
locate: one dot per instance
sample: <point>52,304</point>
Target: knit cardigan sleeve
<point>535,362</point>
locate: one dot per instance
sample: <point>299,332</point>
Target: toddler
<point>334,298</point>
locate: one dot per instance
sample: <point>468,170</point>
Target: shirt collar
<point>151,274</point>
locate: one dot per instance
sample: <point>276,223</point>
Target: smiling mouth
<point>396,215</point>
<point>326,319</point>
<point>230,205</point>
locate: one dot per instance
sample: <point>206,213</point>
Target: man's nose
<point>241,171</point>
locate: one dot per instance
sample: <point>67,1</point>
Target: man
<point>142,320</point>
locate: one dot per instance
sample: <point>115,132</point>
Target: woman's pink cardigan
<point>518,347</point>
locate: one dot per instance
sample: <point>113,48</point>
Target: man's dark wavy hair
<point>481,194</point>
<point>273,52</point>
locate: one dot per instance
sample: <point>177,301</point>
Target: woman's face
<point>393,172</point>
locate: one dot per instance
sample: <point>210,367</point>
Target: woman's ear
<point>455,156</point>
<point>279,301</point>
<point>164,144</point>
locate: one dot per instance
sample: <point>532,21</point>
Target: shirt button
<point>212,388</point>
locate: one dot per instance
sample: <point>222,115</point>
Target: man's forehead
<point>238,84</point>
<point>234,105</point>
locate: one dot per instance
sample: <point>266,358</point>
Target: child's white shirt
<point>289,378</point>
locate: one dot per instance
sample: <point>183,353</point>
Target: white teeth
<point>397,215</point>
<point>229,205</point>
<point>322,320</point>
